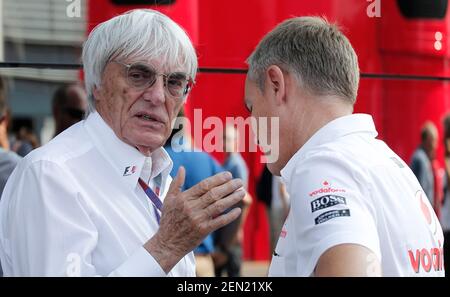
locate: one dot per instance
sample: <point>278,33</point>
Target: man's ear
<point>276,84</point>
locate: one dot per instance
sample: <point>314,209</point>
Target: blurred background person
<point>23,140</point>
<point>198,166</point>
<point>445,211</point>
<point>228,239</point>
<point>271,190</point>
<point>4,117</point>
<point>69,106</point>
<point>421,161</point>
<point>8,159</point>
<point>438,186</point>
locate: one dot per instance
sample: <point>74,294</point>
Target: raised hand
<point>189,216</point>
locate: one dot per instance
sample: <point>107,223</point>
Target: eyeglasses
<point>141,76</point>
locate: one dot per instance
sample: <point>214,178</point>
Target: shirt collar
<point>159,163</point>
<point>354,123</point>
<point>128,162</point>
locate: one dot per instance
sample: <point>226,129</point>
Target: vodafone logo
<point>326,189</point>
<point>427,259</point>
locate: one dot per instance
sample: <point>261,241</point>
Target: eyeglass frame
<point>165,77</point>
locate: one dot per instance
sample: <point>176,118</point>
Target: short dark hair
<point>447,126</point>
<point>428,130</point>
<point>60,96</point>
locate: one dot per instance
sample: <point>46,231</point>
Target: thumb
<point>178,181</point>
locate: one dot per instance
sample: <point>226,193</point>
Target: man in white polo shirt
<point>98,199</point>
<point>356,207</point>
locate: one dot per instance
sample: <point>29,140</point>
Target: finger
<point>208,183</point>
<point>178,182</point>
<point>218,207</point>
<point>224,219</point>
<point>221,191</point>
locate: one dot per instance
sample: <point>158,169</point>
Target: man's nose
<point>156,93</point>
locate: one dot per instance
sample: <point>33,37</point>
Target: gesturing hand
<point>189,216</point>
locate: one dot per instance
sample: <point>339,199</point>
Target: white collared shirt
<point>346,186</point>
<point>74,207</point>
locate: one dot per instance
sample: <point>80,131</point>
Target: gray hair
<point>319,55</point>
<point>142,33</point>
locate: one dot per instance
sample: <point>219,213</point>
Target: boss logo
<point>326,201</point>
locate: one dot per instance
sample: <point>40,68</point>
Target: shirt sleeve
<point>50,230</point>
<point>330,205</point>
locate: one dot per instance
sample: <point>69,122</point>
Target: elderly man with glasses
<point>98,199</point>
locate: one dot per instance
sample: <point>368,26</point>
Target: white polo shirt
<point>348,187</point>
<point>74,207</point>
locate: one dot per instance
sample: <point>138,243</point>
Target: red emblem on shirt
<point>427,259</point>
<point>427,211</point>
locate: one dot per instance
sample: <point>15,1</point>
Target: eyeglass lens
<point>140,75</point>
